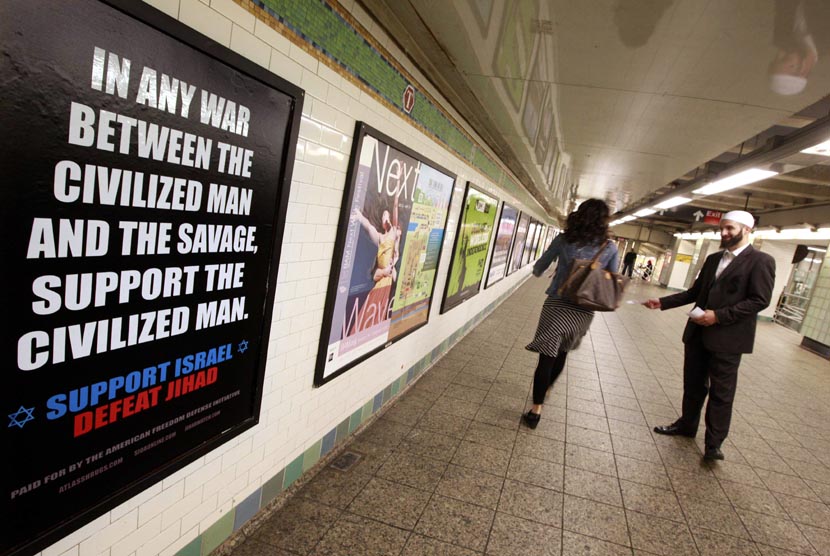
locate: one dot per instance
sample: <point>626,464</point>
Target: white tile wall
<point>168,515</point>
<point>247,44</point>
<point>235,13</point>
<point>783,255</point>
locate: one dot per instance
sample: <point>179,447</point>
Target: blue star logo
<point>242,347</point>
<point>21,417</point>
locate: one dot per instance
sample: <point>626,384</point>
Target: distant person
<point>648,270</point>
<point>733,286</point>
<point>562,323</point>
<point>628,263</point>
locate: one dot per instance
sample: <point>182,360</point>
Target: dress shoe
<point>712,454</point>
<point>674,430</point>
<point>531,419</point>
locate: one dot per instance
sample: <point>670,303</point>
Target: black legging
<point>546,374</point>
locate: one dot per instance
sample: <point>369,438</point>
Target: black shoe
<point>674,429</point>
<point>531,419</point>
<point>712,454</point>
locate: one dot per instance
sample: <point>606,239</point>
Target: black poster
<point>146,175</point>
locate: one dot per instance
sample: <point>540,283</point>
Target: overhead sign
<point>712,217</point>
<point>146,174</point>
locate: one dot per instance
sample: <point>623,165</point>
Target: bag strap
<point>572,274</point>
<point>595,260</point>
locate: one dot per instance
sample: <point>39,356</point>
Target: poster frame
<point>513,245</point>
<point>362,129</point>
<point>527,252</point>
<point>540,247</point>
<point>467,189</point>
<point>537,239</point>
<point>488,283</point>
<point>145,14</point>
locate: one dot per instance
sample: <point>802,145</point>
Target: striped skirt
<point>562,326</point>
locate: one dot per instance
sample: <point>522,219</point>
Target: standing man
<point>628,263</point>
<point>733,286</point>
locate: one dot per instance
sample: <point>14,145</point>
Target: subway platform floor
<point>449,469</point>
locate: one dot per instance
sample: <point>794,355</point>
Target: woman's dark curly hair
<point>588,224</point>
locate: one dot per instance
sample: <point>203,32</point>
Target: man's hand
<point>653,303</point>
<point>707,319</point>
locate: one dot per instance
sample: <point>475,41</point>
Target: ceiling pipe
<point>777,149</point>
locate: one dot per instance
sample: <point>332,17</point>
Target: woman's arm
<point>550,255</point>
<point>614,261</point>
<point>370,229</point>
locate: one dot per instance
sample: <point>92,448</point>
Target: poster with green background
<point>478,217</point>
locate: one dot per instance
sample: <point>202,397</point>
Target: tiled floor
<point>448,470</point>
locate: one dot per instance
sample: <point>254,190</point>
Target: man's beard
<point>727,243</point>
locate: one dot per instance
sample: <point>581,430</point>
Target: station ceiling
<point>637,101</point>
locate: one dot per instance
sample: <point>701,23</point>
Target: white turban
<point>741,217</point>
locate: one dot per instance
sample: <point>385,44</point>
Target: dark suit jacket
<point>737,296</point>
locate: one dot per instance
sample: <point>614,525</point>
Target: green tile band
<point>272,488</point>
<point>316,22</point>
<point>293,472</point>
<point>193,548</point>
<point>312,455</point>
<point>217,533</point>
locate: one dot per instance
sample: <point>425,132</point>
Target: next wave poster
<point>389,243</point>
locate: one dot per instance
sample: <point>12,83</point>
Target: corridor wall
<point>349,71</point>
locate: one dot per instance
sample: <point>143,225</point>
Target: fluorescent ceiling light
<point>731,182</point>
<point>673,202</point>
<point>644,212</point>
<point>817,249</point>
<point>628,218</point>
<point>822,148</point>
<point>698,235</point>
<point>614,223</point>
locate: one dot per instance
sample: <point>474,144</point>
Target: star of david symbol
<point>242,347</point>
<point>15,418</point>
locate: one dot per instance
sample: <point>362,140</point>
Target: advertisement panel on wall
<point>392,225</point>
<point>517,250</point>
<point>527,254</point>
<point>551,234</point>
<point>475,228</point>
<point>537,239</point>
<point>146,183</point>
<point>501,248</point>
<point>540,240</point>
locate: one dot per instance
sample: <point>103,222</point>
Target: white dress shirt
<point>728,257</point>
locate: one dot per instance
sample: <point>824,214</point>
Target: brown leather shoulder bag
<point>592,287</point>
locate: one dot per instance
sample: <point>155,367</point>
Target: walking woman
<point>563,323</point>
